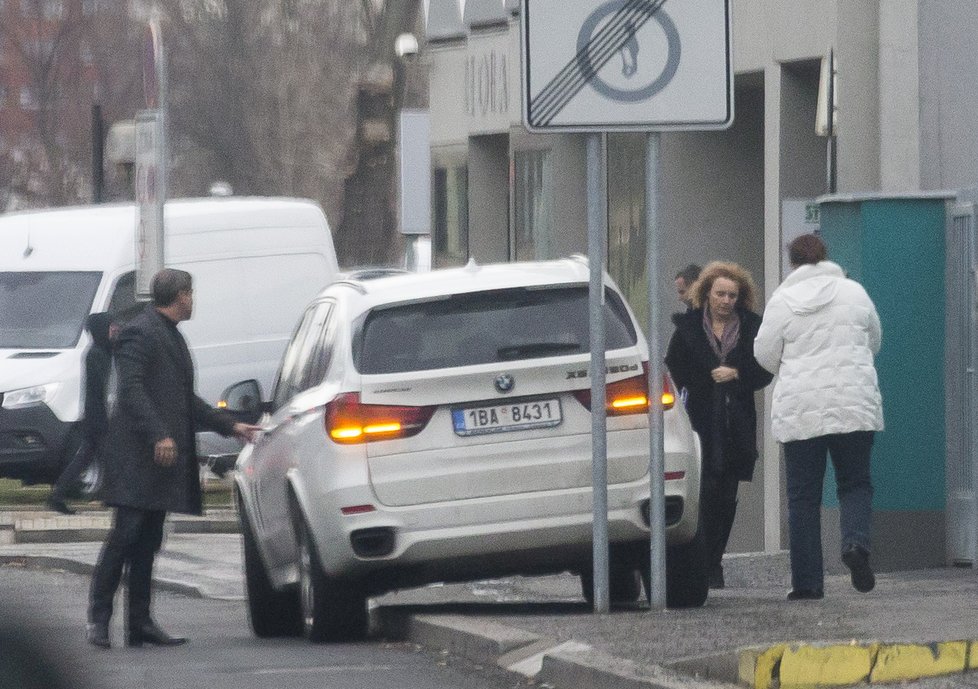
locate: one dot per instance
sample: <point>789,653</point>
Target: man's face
<point>185,302</point>
<point>681,289</point>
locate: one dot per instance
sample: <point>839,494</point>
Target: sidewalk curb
<point>83,568</point>
<point>568,665</point>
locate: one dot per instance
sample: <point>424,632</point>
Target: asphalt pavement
<point>914,625</point>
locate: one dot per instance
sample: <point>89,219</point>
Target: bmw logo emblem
<point>505,382</point>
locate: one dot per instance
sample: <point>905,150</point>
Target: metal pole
<point>98,157</point>
<point>830,153</point>
<point>163,158</point>
<point>657,471</point>
<point>596,221</point>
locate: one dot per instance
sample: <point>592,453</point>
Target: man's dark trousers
<point>134,540</point>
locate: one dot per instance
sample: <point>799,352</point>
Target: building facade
<point>905,81</point>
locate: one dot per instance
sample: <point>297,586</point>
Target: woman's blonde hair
<point>700,291</point>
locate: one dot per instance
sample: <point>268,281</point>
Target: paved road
<point>222,652</point>
<point>542,628</point>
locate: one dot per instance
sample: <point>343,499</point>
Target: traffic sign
<point>622,65</point>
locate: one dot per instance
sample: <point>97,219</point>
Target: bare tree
<point>368,225</point>
<point>293,97</point>
<point>261,94</point>
<point>63,59</point>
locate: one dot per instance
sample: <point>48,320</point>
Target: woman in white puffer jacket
<point>819,335</point>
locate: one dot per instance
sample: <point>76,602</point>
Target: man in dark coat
<point>150,456</point>
<point>98,367</point>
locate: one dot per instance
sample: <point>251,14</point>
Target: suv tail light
<point>630,396</point>
<point>349,421</point>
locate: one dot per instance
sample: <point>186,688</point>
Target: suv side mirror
<point>243,401</point>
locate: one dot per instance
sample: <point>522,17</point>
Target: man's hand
<point>246,431</point>
<point>724,374</point>
<point>165,452</point>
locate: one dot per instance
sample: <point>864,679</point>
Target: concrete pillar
<point>857,57</point>
<point>899,96</point>
<point>770,450</point>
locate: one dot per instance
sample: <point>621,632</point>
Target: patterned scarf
<point>731,333</point>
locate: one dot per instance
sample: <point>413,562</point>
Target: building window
<point>627,260</point>
<point>450,196</point>
<point>533,195</point>
<point>3,99</point>
<point>86,55</point>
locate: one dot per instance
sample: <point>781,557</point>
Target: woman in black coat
<point>711,356</point>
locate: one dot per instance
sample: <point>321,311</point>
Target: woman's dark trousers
<point>804,474</point>
<point>135,538</point>
<point>720,496</point>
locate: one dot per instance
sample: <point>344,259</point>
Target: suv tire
<point>271,613</point>
<point>332,609</point>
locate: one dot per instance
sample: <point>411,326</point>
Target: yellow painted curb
<point>810,666</point>
<point>898,662</point>
<point>757,667</point>
<point>832,665</point>
<point>972,655</point>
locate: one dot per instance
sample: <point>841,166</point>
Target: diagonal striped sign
<point>607,65</point>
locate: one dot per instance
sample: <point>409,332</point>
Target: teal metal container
<point>895,247</point>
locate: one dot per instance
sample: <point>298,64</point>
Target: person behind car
<point>150,457</point>
<point>98,366</point>
<point>684,280</point>
<point>711,356</point>
<point>820,335</point>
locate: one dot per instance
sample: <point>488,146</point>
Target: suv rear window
<point>485,327</point>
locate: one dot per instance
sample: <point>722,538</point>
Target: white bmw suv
<point>437,427</point>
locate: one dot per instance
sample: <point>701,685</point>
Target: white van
<point>256,263</point>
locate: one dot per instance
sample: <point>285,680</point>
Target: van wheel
<point>271,613</point>
<point>332,609</point>
<point>624,584</point>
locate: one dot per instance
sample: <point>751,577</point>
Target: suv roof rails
<point>374,273</point>
<point>353,284</point>
<point>355,278</point>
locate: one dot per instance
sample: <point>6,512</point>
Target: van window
<point>486,327</point>
<point>45,309</point>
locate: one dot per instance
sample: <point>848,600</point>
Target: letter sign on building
<point>620,65</point>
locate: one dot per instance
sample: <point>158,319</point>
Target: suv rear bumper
<point>524,533</point>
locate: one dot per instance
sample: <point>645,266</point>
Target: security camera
<point>406,46</point>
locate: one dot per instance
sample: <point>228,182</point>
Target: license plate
<point>500,418</point>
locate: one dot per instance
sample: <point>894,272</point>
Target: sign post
<point>598,66</point>
<point>151,162</point>
<point>149,200</point>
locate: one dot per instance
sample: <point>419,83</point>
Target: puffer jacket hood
<point>810,288</point>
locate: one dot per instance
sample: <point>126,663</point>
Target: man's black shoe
<point>806,594</point>
<point>149,633</point>
<point>59,505</point>
<point>856,559</point>
<point>98,635</point>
